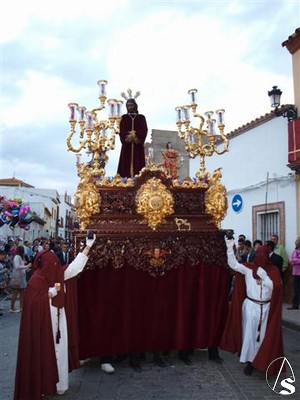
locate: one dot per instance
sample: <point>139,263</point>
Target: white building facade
<point>261,189</point>
<point>53,213</point>
<point>66,219</point>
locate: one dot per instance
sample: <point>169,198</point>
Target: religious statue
<point>133,132</point>
<point>170,157</point>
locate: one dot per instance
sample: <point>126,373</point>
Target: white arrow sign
<point>237,203</point>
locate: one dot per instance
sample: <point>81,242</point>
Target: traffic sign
<point>237,203</point>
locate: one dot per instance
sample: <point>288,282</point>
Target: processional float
<point>97,129</point>
<point>155,235</point>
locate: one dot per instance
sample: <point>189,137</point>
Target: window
<point>268,220</point>
<point>267,225</point>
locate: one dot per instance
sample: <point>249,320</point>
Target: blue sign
<point>237,203</point>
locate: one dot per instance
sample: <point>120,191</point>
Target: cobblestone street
<point>204,379</point>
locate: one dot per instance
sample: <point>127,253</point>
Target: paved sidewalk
<point>290,318</point>
<point>202,380</point>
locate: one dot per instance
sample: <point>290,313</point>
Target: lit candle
<point>72,107</point>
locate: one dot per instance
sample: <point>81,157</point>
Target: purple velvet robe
<point>132,157</point>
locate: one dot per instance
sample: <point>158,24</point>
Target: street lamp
<point>288,111</point>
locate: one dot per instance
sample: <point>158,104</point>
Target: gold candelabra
<point>96,135</point>
<point>202,141</point>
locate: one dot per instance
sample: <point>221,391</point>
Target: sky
<point>54,53</point>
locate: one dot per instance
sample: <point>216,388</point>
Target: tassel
<point>259,325</point>
<point>58,330</point>
<point>57,336</point>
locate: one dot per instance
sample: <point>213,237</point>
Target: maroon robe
<point>36,371</point>
<point>132,153</point>
<point>272,345</point>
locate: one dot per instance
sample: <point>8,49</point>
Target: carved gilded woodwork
<point>216,198</point>
<point>157,255</point>
<point>154,201</point>
<point>189,202</point>
<point>182,224</point>
<point>87,199</point>
<point>152,226</point>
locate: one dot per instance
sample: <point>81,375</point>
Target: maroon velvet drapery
<point>126,310</point>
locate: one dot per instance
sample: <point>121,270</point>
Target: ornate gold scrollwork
<point>157,257</point>
<point>182,224</point>
<point>215,198</point>
<point>188,183</point>
<point>154,202</point>
<point>87,199</point>
<point>116,181</point>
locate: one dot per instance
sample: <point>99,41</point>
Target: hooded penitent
<point>271,347</point>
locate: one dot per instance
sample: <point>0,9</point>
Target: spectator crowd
<point>16,254</point>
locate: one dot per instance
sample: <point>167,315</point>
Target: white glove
<point>90,242</point>
<point>261,273</point>
<point>52,292</point>
<point>229,243</point>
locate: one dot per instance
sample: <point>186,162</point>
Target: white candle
<point>191,138</point>
<point>186,113</point>
<point>220,117</point>
<point>102,87</point>
<point>119,108</point>
<point>78,158</point>
<point>179,113</point>
<point>72,107</point>
<point>193,92</point>
<point>81,111</point>
<point>150,152</point>
<point>211,125</point>
<point>89,122</point>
